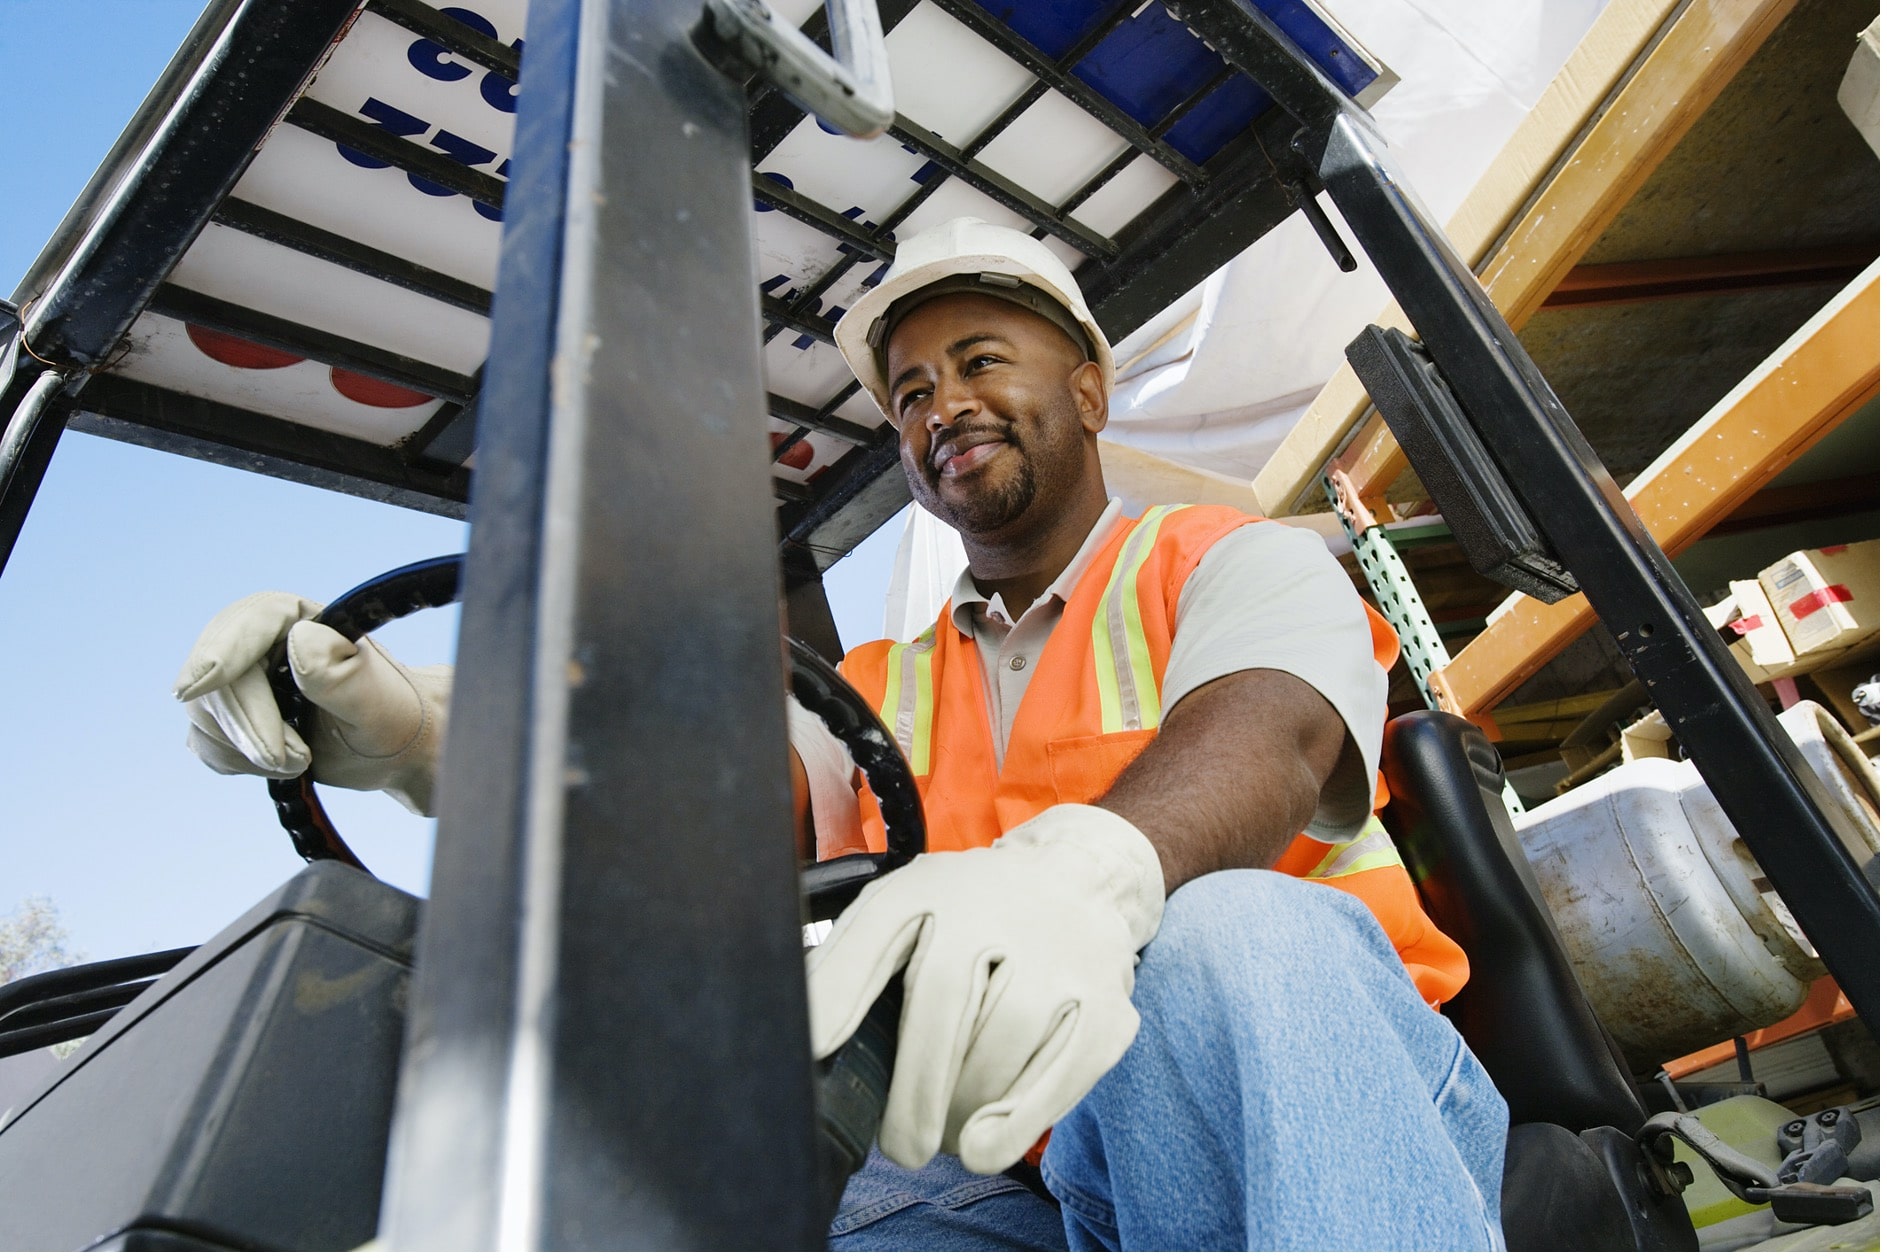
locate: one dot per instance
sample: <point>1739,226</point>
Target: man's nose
<point>954,402</point>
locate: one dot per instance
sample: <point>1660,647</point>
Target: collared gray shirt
<point>1263,596</point>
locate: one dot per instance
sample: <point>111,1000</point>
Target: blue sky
<point>128,553</point>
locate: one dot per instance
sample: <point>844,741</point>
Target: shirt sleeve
<point>830,779</point>
<point>1270,596</point>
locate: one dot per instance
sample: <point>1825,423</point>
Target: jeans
<point>1288,1089</point>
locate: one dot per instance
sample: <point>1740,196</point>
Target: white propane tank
<point>1674,931</point>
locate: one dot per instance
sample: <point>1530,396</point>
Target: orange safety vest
<point>1092,705</point>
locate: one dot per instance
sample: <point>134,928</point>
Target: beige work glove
<point>1018,967</point>
<point>377,725</point>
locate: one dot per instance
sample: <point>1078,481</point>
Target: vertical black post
<point>608,1046</point>
<point>32,419</point>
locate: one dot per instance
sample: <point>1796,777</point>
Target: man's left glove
<point>1018,967</point>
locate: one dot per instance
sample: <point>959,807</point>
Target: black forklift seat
<point>1575,1177</point>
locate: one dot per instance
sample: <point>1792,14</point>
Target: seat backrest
<point>1522,1011</point>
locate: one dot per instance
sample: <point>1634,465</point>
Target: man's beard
<point>991,506</point>
<point>994,508</point>
<point>997,506</point>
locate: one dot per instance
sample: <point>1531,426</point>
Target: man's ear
<point>1090,398</point>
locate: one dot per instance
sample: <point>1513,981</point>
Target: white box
<point>1826,598</point>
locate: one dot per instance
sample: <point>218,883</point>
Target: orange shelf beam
<point>1825,1006</point>
<point>1583,192</point>
<point>1818,377</point>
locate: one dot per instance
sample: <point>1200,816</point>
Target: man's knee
<point>1257,925</point>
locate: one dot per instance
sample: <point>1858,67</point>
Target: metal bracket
<point>851,89</point>
<point>12,332</point>
<point>1389,580</point>
<point>1500,538</point>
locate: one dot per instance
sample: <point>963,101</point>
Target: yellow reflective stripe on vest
<point>1123,665</point>
<point>908,706</point>
<point>1372,849</point>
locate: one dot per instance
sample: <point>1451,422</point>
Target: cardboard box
<point>1647,738</point>
<point>1827,598</point>
<point>1859,93</point>
<point>1756,637</point>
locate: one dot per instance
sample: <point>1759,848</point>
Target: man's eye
<point>914,396</point>
<point>982,360</point>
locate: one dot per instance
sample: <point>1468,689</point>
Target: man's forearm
<point>802,806</point>
<point>1233,776</point>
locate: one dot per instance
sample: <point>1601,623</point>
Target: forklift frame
<point>606,1046</point>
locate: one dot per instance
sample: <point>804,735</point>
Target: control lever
<point>1793,1201</point>
<point>1816,1149</point>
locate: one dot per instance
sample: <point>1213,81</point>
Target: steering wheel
<point>854,1081</point>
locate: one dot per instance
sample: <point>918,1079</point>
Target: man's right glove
<point>1018,965</point>
<point>377,725</point>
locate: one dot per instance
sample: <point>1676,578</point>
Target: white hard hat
<point>999,261</point>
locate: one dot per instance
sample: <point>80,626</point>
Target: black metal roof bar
<point>792,490</point>
<point>171,85</point>
<point>38,400</point>
<point>1010,195</point>
<point>1018,50</point>
<point>806,419</point>
<point>325,347</point>
<point>450,436</point>
<point>821,418</point>
<point>843,396</point>
<point>415,159</point>
<point>861,491</point>
<point>813,214</point>
<point>1288,75</point>
<point>803,303</point>
<point>1178,112</point>
<point>447,438</point>
<point>191,159</point>
<point>452,35</point>
<point>158,418</point>
<point>787,442</point>
<point>329,246</point>
<point>798,314</point>
<point>1186,235</point>
<point>1122,160</point>
<point>792,315</point>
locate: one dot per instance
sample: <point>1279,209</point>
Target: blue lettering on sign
<point>430,59</point>
<point>398,122</point>
<point>435,62</point>
<point>499,92</point>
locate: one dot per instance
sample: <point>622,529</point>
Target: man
<point>1121,729</point>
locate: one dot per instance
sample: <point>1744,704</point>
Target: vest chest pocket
<point>1081,769</point>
